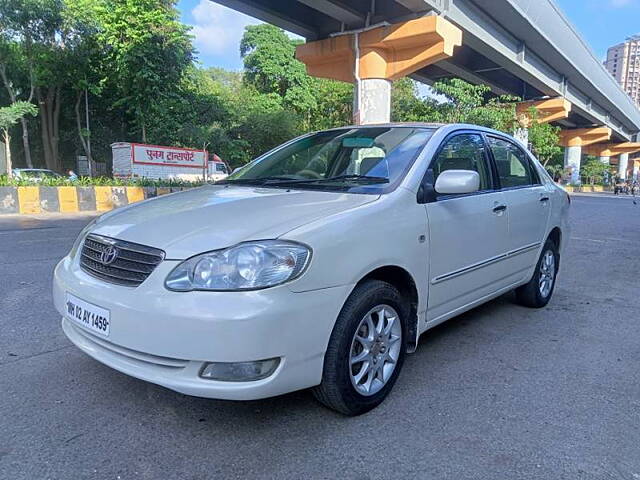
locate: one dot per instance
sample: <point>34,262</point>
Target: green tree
<point>16,71</point>
<point>554,170</point>
<point>593,170</point>
<point>271,67</point>
<point>545,141</point>
<point>148,51</point>
<point>45,35</point>
<point>334,105</point>
<point>9,116</point>
<point>543,137</point>
<point>408,106</point>
<point>84,69</point>
<point>467,103</point>
<point>193,114</point>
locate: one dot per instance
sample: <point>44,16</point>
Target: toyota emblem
<point>109,255</point>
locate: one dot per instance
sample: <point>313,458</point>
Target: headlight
<point>83,233</point>
<point>247,266</point>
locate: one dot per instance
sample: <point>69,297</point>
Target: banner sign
<point>168,156</point>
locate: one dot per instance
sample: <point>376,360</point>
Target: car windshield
<point>38,174</point>
<point>359,160</point>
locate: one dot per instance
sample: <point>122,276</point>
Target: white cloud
<point>218,29</point>
<point>620,3</point>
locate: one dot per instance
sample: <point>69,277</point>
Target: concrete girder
<point>549,110</point>
<point>470,76</point>
<point>271,15</point>
<point>584,136</point>
<point>491,36</point>
<point>612,149</point>
<point>386,52</point>
<point>373,58</point>
<point>336,10</point>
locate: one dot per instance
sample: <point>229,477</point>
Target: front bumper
<point>165,337</point>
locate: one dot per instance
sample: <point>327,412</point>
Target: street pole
<point>86,111</point>
<point>205,168</point>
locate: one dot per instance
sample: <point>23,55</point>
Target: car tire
<point>341,389</point>
<point>538,291</point>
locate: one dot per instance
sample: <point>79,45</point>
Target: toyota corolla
<point>318,265</point>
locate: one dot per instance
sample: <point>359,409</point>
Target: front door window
<point>463,152</point>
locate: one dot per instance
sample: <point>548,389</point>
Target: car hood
<point>218,216</point>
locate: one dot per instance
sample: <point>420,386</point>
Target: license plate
<point>88,315</point>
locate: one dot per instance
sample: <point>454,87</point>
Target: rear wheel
<point>538,292</point>
<point>366,350</point>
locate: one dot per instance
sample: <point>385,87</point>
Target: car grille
<point>130,264</point>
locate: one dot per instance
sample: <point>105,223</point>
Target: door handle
<point>499,208</point>
<point>544,199</point>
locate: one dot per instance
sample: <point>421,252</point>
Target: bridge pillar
<point>623,165</point>
<point>372,101</point>
<point>572,159</point>
<point>522,135</point>
<point>575,140</point>
<point>373,58</point>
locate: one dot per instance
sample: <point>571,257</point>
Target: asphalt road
<point>501,392</point>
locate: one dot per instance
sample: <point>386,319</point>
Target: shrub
<point>5,181</point>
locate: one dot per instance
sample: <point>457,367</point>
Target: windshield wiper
<point>278,180</point>
<point>354,177</point>
<point>260,181</point>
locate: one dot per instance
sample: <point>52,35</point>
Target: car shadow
<point>417,365</point>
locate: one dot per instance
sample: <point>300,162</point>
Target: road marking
<point>588,240</point>
<point>23,242</point>
<point>605,240</point>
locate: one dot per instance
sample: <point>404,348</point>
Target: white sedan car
<point>317,265</point>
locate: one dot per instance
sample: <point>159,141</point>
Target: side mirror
<point>452,182</point>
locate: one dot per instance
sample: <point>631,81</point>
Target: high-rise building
<point>623,62</point>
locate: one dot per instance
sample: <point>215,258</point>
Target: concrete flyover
<point>526,48</point>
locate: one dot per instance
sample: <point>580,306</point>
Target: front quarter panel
<point>348,246</point>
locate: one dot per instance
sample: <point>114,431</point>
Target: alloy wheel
<point>375,350</point>
<point>547,273</point>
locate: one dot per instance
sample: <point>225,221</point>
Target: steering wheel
<point>309,173</point>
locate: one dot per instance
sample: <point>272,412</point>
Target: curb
<point>70,199</point>
<point>588,189</point>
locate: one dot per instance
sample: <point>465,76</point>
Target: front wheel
<point>366,349</point>
<point>537,293</point>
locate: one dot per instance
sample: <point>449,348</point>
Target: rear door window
<point>513,165</point>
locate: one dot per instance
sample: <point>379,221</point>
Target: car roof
<point>434,125</point>
<point>445,127</point>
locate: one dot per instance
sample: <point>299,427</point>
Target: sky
<point>218,30</point>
